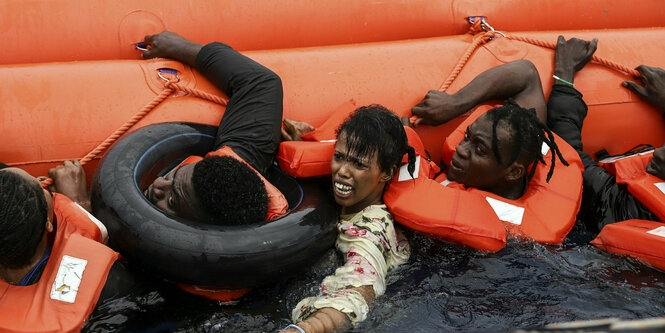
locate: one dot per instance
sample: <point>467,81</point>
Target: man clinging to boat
<point>500,166</point>
<point>54,267</point>
<point>608,199</point>
<point>227,187</point>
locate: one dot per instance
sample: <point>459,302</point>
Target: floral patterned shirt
<point>371,246</point>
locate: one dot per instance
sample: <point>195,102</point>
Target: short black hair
<point>527,134</point>
<point>229,191</point>
<point>23,215</point>
<point>373,129</point>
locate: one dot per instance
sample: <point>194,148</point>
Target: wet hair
<point>23,215</point>
<point>373,129</point>
<point>229,191</point>
<point>527,136</point>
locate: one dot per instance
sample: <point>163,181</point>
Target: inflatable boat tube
<point>74,30</point>
<point>192,253</point>
<point>45,120</point>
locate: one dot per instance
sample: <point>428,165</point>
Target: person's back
<point>53,266</point>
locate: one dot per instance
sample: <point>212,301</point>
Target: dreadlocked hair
<point>527,136</point>
<point>23,215</point>
<point>373,129</point>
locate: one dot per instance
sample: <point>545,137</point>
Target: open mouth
<point>342,190</point>
<point>456,167</point>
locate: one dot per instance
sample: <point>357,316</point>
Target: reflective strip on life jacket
<point>70,285</point>
<point>447,210</point>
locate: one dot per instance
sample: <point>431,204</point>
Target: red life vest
<point>647,188</point>
<point>277,205</point>
<point>70,285</point>
<point>545,213</point>
<point>312,158</point>
<point>640,239</point>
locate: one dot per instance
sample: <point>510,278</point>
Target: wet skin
<point>357,180</point>
<point>174,193</point>
<point>474,163</point>
<point>656,166</point>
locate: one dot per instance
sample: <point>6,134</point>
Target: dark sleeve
<point>121,282</point>
<point>253,118</point>
<point>604,201</point>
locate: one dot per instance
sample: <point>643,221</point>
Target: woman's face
<point>357,180</point>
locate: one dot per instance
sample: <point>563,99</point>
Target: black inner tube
<point>194,253</point>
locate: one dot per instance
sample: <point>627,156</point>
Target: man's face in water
<point>656,166</point>
<point>174,193</point>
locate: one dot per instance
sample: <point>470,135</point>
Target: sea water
<point>443,288</point>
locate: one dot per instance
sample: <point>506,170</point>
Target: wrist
<point>565,73</point>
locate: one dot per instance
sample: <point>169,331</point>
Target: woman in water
<point>369,150</point>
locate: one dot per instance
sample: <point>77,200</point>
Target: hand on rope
<point>169,88</point>
<point>483,33</point>
<point>653,91</point>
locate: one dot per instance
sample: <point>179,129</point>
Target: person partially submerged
<point>368,152</point>
<point>227,187</point>
<point>501,148</point>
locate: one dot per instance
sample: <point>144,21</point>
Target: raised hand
<point>572,55</point>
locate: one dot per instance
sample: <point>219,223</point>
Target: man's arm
<point>604,200</point>
<point>518,80</point>
<point>251,124</point>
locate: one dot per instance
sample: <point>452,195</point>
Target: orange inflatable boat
<point>53,112</point>
<point>45,31</point>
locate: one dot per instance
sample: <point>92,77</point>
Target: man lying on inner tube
<point>54,268</point>
<point>227,187</point>
<point>368,151</point>
<point>605,200</point>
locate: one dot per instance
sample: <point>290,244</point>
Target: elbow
<point>527,69</point>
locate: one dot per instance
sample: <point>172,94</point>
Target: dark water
<point>443,288</point>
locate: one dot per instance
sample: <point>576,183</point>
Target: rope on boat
<point>170,87</point>
<point>484,33</point>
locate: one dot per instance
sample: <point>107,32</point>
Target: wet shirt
<point>252,122</point>
<point>603,200</point>
<point>371,246</point>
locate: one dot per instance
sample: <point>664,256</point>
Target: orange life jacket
<point>640,239</point>
<point>60,301</point>
<point>312,158</point>
<point>277,205</point>
<point>647,188</point>
<point>545,213</point>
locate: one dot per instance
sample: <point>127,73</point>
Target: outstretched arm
<point>251,124</point>
<point>518,80</point>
